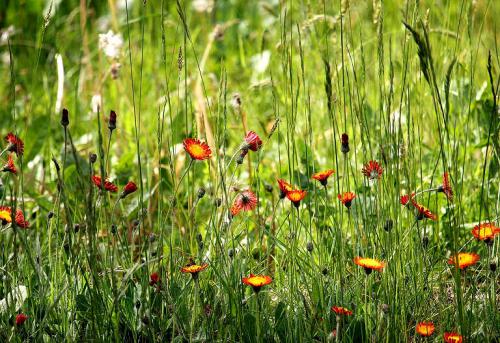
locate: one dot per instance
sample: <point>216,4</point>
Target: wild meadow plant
<point>238,171</point>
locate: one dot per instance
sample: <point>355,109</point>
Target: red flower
<point>197,149</point>
<point>20,319</point>
<point>323,176</point>
<point>20,221</point>
<point>405,199</point>
<point>10,166</point>
<point>423,212</point>
<point>154,279</point>
<point>253,141</point>
<point>452,337</point>
<point>15,144</point>
<point>245,201</point>
<point>464,259</point>
<point>341,311</point>
<point>485,232</point>
<point>295,196</point>
<point>129,188</point>
<point>285,187</point>
<point>446,187</point>
<point>372,170</point>
<point>425,328</point>
<point>257,281</point>
<point>110,187</point>
<point>346,198</point>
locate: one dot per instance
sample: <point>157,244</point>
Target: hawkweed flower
<point>20,220</point>
<point>464,259</point>
<point>295,196</point>
<point>423,212</point>
<point>369,264</point>
<point>323,176</point>
<point>109,186</point>
<point>21,318</point>
<point>346,198</point>
<point>194,269</point>
<point>345,143</point>
<point>5,215</point>
<point>257,281</point>
<point>425,328</point>
<point>65,117</point>
<point>129,188</point>
<point>154,279</point>
<point>197,149</point>
<point>485,232</point>
<point>405,199</point>
<point>446,187</point>
<point>245,201</point>
<point>234,210</point>
<point>252,141</point>
<point>285,187</point>
<point>112,121</point>
<point>453,337</point>
<point>16,145</point>
<point>341,311</point>
<point>372,170</point>
<point>10,167</point>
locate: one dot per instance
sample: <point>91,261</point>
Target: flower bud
<point>65,117</point>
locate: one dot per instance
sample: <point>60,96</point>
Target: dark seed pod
<point>218,202</point>
<point>76,227</point>
<point>310,246</point>
<point>345,143</point>
<point>493,266</point>
<point>138,304</point>
<point>268,188</point>
<point>324,271</point>
<point>201,245</point>
<point>92,157</point>
<point>50,215</point>
<point>240,159</point>
<point>201,192</point>
<point>230,253</point>
<point>388,225</point>
<point>199,237</point>
<point>113,229</point>
<point>135,223</point>
<point>65,117</point>
<point>112,120</point>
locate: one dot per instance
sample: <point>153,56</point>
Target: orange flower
<point>109,186</point>
<point>197,149</point>
<point>423,212</point>
<point>453,337</point>
<point>245,201</point>
<point>257,281</point>
<point>464,259</point>
<point>235,209</point>
<point>425,328</point>
<point>446,187</point>
<point>295,196</point>
<point>5,214</point>
<point>485,232</point>
<point>10,166</point>
<point>193,269</point>
<point>372,170</point>
<point>285,187</point>
<point>129,188</point>
<point>347,198</point>
<point>369,264</point>
<point>405,199</point>
<point>341,311</point>
<point>323,176</point>
<point>20,221</point>
<point>15,144</point>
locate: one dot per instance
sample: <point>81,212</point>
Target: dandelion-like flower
<point>253,141</point>
<point>129,188</point>
<point>453,337</point>
<point>197,149</point>
<point>323,176</point>
<point>109,186</point>
<point>111,44</point>
<point>246,201</point>
<point>423,212</point>
<point>194,269</point>
<point>485,232</point>
<point>295,196</point>
<point>5,215</point>
<point>372,170</point>
<point>425,328</point>
<point>20,220</point>
<point>405,199</point>
<point>10,167</point>
<point>464,259</point>
<point>21,318</point>
<point>369,264</point>
<point>16,145</point>
<point>341,311</point>
<point>347,198</point>
<point>285,187</point>
<point>446,187</point>
<point>257,281</point>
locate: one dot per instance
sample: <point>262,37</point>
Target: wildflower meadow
<point>249,171</point>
